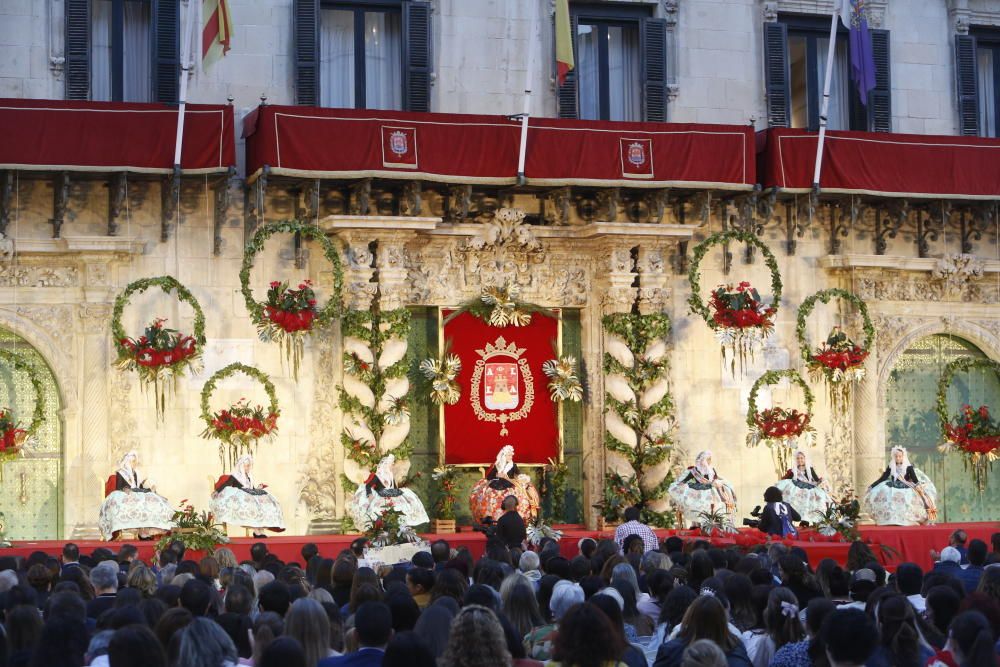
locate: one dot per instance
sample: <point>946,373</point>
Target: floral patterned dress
<point>488,494</point>
<point>804,493</point>
<point>133,507</point>
<point>695,494</point>
<point>238,505</point>
<point>893,502</point>
<point>373,497</point>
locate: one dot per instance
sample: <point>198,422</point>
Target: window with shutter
<point>166,51</point>
<point>620,65</point>
<point>880,97</point>
<point>977,57</point>
<point>77,49</point>
<point>776,74</point>
<point>967,79</point>
<point>306,17</point>
<point>417,56</point>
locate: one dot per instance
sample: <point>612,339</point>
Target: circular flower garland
<point>240,426</point>
<point>779,428</point>
<point>973,433</point>
<point>289,315</point>
<point>12,436</point>
<point>159,353</point>
<point>840,361</point>
<point>740,335</point>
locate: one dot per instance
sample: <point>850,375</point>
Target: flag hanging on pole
<point>216,31</point>
<point>854,15</point>
<point>564,41</point>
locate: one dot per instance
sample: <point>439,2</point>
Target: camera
<point>755,522</point>
<point>487,526</point>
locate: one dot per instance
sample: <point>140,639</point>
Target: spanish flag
<point>216,31</point>
<point>564,41</point>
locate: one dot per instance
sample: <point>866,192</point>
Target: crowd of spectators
<point>630,602</point>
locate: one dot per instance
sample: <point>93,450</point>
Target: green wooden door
<point>912,422</point>
<point>31,485</point>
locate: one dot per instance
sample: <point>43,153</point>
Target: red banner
<point>505,397</point>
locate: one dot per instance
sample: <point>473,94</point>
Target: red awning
<point>457,148</point>
<point>888,165</point>
<point>52,135</point>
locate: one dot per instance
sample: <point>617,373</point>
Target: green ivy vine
<point>774,377</point>
<point>20,364</point>
<point>167,284</point>
<point>825,296</point>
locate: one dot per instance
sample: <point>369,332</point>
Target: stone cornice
<point>79,245</point>
<point>895,263</point>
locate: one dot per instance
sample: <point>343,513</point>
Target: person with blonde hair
<point>476,640</point>
<point>307,622</point>
<point>143,580</point>
<point>703,653</point>
<point>226,557</point>
<point>517,597</point>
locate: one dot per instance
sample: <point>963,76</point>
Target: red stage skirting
<point>882,164</point>
<point>913,543</point>
<point>112,136</point>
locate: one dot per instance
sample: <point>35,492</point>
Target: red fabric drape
<point>881,164</point>
<point>111,136</point>
<point>469,440</point>
<point>914,543</point>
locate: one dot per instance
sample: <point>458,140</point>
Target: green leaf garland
<point>235,448</point>
<point>979,463</point>
<point>780,449</point>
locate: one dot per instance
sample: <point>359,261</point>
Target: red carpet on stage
<point>912,542</point>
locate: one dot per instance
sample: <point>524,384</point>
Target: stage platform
<point>913,543</point>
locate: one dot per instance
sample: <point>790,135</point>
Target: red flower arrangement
<point>841,362</point>
<point>740,307</point>
<point>291,310</point>
<point>12,436</point>
<point>156,350</point>
<point>242,423</point>
<point>974,432</point>
<point>780,423</point>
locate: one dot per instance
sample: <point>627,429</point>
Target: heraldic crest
<point>497,381</point>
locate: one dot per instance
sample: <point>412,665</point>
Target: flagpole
<point>182,96</point>
<point>825,107</point>
<point>532,46</point>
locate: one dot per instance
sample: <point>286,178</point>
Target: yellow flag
<point>564,41</point>
<point>216,31</point>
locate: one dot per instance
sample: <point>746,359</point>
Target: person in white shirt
<point>633,526</point>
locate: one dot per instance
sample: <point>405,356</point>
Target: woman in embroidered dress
<point>501,480</point>
<point>379,492</point>
<point>903,495</point>
<point>240,501</point>
<point>133,504</point>
<point>804,490</point>
<point>701,490</point>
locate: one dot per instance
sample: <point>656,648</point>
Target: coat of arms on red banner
<point>399,147</point>
<point>636,157</point>
<point>500,391</point>
<point>499,400</point>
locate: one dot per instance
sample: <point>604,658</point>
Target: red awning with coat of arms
<point>310,142</point>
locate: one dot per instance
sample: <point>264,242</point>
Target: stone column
<point>869,434</point>
<point>97,451</point>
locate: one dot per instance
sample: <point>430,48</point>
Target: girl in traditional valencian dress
<point>501,480</point>
<point>238,500</point>
<point>701,490</point>
<point>379,492</point>
<point>804,490</point>
<point>903,495</point>
<point>133,504</point>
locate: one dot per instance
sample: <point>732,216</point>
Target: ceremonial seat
<point>109,486</point>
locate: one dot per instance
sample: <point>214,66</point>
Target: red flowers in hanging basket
<point>12,436</point>
<point>740,307</point>
<point>974,432</point>
<point>842,360</point>
<point>781,423</point>
<point>243,422</point>
<point>157,349</point>
<point>291,310</point>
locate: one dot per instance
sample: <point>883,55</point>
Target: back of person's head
<point>440,550</point>
<point>517,596</point>
<point>307,622</point>
<point>283,652</point>
<point>942,606</point>
<point>587,638</point>
<point>772,494</point>
<point>909,578</point>
<point>897,626</point>
<point>239,600</point>
<point>404,609</point>
<point>63,642</point>
<point>482,595</point>
<point>373,624</point>
<point>816,612</point>
<point>781,618</point>
<point>173,621</point>
<point>528,561</point>
<point>135,646</point>
<point>977,552</point>
<point>476,638</point>
<point>958,538</point>
<point>706,618</point>
<point>406,649</point>
<point>703,653</point>
<point>238,627</point>
<point>274,597</point>
<point>587,547</point>
<point>70,553</point>
<point>196,596</point>
<point>24,627</point>
<point>850,637</point>
<point>565,594</point>
<point>104,577</point>
<point>972,636</point>
<point>449,583</point>
<point>203,643</point>
<point>66,604</point>
<point>632,514</point>
<point>675,605</point>
<point>434,625</point>
<point>258,552</point>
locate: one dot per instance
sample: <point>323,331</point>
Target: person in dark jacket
<point>705,619</point>
<point>778,515</point>
<point>510,525</point>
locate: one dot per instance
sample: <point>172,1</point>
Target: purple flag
<point>854,16</point>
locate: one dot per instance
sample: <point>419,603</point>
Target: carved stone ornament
<point>318,483</point>
<point>890,329</point>
<point>957,270</point>
<point>503,251</point>
<point>39,276</point>
<point>950,280</point>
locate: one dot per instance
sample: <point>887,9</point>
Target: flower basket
<point>973,433</point>
<point>13,434</point>
<point>241,426</point>
<point>781,429</point>
<point>839,362</point>
<point>197,530</point>
<point>737,314</point>
<point>160,355</point>
<point>289,315</point>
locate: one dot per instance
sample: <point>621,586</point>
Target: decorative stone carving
<point>570,287</point>
<point>432,275</point>
<point>392,274</point>
<point>51,318</point>
<point>955,271</point>
<point>39,276</point>
<point>504,250</point>
<point>889,330</point>
<point>318,490</point>
<point>950,280</point>
<point>95,315</point>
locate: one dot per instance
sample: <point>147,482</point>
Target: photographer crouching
<point>777,517</point>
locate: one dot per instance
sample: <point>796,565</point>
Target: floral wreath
<point>12,440</point>
<point>738,342</point>
<point>267,329</point>
<point>839,371</point>
<point>979,451</point>
<point>125,347</point>
<point>237,442</point>
<point>779,428</point>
